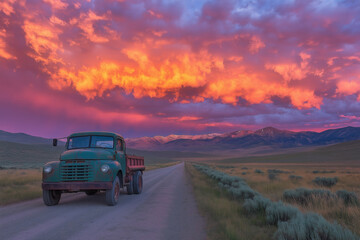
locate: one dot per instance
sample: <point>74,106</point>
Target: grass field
<point>338,155</point>
<point>333,209</point>
<point>330,206</point>
<point>34,156</point>
<point>225,216</point>
<point>19,185</point>
<point>270,176</point>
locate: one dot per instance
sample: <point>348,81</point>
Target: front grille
<point>76,170</point>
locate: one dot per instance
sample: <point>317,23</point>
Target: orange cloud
<point>256,44</point>
<point>294,71</point>
<point>3,51</point>
<point>184,118</point>
<point>350,117</point>
<point>144,78</point>
<point>86,23</point>
<point>254,89</point>
<point>154,61</point>
<point>349,87</point>
<point>43,39</point>
<point>187,70</point>
<point>6,7</point>
<point>56,4</point>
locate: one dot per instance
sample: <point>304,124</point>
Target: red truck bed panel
<point>134,163</point>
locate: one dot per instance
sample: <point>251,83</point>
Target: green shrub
<point>243,173</point>
<point>278,211</point>
<point>276,171</point>
<point>257,204</point>
<point>225,166</point>
<point>348,197</point>
<point>258,171</point>
<point>294,177</point>
<point>312,226</point>
<point>229,179</point>
<point>272,176</point>
<point>324,171</point>
<point>236,186</point>
<point>303,195</point>
<point>243,192</point>
<point>325,182</point>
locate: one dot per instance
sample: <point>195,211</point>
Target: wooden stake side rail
<point>134,163</point>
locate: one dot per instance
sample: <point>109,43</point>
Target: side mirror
<point>54,142</point>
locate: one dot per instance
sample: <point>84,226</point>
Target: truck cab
<point>93,162</point>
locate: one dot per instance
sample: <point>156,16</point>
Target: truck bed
<point>134,163</point>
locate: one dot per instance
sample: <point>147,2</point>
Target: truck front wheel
<point>138,182</point>
<point>112,195</point>
<point>51,197</point>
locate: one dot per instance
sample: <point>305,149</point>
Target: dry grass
<point>160,165</point>
<point>225,217</point>
<point>332,209</point>
<point>19,185</point>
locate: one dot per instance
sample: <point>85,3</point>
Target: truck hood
<point>91,154</point>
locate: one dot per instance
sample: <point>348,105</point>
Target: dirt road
<point>164,210</point>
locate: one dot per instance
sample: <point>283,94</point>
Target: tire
<point>138,182</point>
<point>112,195</point>
<point>51,197</point>
<point>130,186</point>
<point>91,192</point>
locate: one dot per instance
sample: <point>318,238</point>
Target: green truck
<point>93,162</point>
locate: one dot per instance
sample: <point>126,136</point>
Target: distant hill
<point>23,138</point>
<point>20,155</point>
<point>151,142</point>
<point>342,153</point>
<point>246,139</point>
<point>341,145</point>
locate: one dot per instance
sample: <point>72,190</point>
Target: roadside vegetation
<point>19,185</point>
<point>291,222</point>
<point>333,194</point>
<point>223,213</point>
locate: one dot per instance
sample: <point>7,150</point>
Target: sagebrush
<point>292,223</point>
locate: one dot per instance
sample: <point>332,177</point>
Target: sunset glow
<point>144,68</point>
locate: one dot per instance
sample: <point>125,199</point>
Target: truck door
<point>120,154</point>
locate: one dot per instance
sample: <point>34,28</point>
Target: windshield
<point>91,142</point>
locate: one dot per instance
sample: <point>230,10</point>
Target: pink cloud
<point>288,56</point>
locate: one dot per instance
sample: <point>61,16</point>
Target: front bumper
<point>77,186</point>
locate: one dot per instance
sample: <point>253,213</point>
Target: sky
<point>146,68</point>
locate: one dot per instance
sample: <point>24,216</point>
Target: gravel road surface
<point>165,209</point>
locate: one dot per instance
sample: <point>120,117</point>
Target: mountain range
<point>268,138</point>
<point>245,139</point>
<point>23,138</point>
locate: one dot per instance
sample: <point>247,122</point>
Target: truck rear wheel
<point>130,186</point>
<point>51,197</point>
<point>138,182</point>
<point>112,195</point>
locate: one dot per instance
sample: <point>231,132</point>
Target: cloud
<point>231,56</point>
<point>3,52</point>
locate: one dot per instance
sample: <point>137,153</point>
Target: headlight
<point>104,168</point>
<point>47,169</point>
